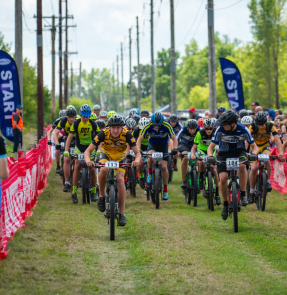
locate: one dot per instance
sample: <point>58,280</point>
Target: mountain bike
<point>145,172</point>
<point>170,167</point>
<point>86,180</point>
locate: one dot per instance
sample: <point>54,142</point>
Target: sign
<point>232,83</point>
<point>9,93</point>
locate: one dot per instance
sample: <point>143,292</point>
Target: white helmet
<point>246,120</point>
<point>143,122</point>
<point>96,107</point>
<point>131,123</point>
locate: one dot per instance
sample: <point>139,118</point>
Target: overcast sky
<point>103,24</point>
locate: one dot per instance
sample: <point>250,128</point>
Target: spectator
<point>285,115</point>
<point>206,114</point>
<point>278,112</point>
<point>271,115</point>
<point>258,109</point>
<point>4,172</point>
<point>17,125</point>
<point>193,115</point>
<point>254,105</point>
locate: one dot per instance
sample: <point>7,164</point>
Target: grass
<point>177,249</point>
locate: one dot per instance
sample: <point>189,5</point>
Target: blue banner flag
<point>9,93</point>
<point>232,83</point>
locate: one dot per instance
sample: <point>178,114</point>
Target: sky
<point>103,24</point>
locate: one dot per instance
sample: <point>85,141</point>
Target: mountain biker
<point>220,111</point>
<point>260,131</point>
<point>96,109</point>
<point>93,117</point>
<point>103,115</point>
<point>159,132</point>
<point>85,130</point>
<point>231,138</point>
<point>185,143</point>
<point>62,114</point>
<point>114,139</point>
<point>201,142</point>
<point>101,123</point>
<point>130,125</point>
<point>144,114</point>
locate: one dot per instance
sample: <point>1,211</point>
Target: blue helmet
<point>157,118</point>
<point>85,110</point>
<point>138,111</point>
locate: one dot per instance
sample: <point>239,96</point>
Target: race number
<point>62,144</point>
<point>232,164</point>
<point>72,151</point>
<point>157,156</point>
<point>132,153</point>
<point>112,164</point>
<point>263,158</point>
<point>204,159</point>
<point>81,157</point>
<point>189,156</point>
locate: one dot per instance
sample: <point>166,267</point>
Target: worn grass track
<point>65,249</point>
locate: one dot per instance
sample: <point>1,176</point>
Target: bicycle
<point>170,167</point>
<point>86,183</point>
<point>131,174</point>
<point>145,172</point>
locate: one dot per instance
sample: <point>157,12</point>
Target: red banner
<point>27,179</point>
<point>278,173</point>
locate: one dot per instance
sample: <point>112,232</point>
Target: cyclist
<point>130,125</point>
<point>185,143</point>
<point>114,139</point>
<point>159,132</point>
<point>201,142</point>
<point>220,111</point>
<point>65,124</point>
<point>96,109</point>
<point>144,114</point>
<point>93,117</point>
<point>260,131</point>
<point>101,123</point>
<point>175,124</point>
<point>85,130</point>
<point>62,114</point>
<point>231,138</point>
<point>103,115</point>
<point>136,118</point>
<point>243,113</point>
<point>110,113</point>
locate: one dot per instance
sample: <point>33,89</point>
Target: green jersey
<point>202,140</point>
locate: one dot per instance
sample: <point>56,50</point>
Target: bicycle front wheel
<point>112,212</point>
<point>84,184</point>
<point>169,166</point>
<point>235,206</point>
<point>195,187</point>
<point>210,191</point>
<point>157,188</point>
<point>133,181</point>
<point>263,181</point>
<point>62,170</point>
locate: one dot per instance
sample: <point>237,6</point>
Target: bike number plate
<point>112,164</point>
<point>72,151</point>
<point>232,164</point>
<point>62,144</point>
<point>263,158</point>
<point>132,153</point>
<point>188,156</point>
<point>81,157</point>
<point>157,156</point>
<point>204,159</point>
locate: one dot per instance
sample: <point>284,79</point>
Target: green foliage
<point>4,46</point>
<point>78,102</point>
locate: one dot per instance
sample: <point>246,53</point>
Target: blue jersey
<point>177,128</point>
<point>185,137</point>
<point>230,141</point>
<point>160,136</point>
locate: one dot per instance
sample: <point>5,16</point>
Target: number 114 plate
<point>232,164</point>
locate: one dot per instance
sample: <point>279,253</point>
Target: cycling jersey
<point>85,132</point>
<point>203,140</point>
<point>232,140</point>
<point>55,124</point>
<point>185,137</point>
<point>262,136</point>
<point>160,136</point>
<point>136,134</point>
<point>114,150</point>
<point>177,127</point>
<point>64,124</point>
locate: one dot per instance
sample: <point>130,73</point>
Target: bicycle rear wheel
<point>235,206</point>
<point>258,193</point>
<point>157,183</point>
<point>263,181</point>
<point>88,193</point>
<point>210,191</point>
<point>194,190</point>
<point>112,212</point>
<point>248,185</point>
<point>84,184</point>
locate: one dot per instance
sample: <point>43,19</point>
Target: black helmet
<point>221,109</point>
<point>71,112</point>
<point>136,118</point>
<point>116,120</point>
<point>101,123</point>
<point>227,118</point>
<point>260,118</point>
<point>173,118</point>
<point>191,124</point>
<point>243,113</point>
<point>144,113</point>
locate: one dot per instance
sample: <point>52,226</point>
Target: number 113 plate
<point>112,164</point>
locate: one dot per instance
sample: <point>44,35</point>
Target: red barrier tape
<point>28,178</point>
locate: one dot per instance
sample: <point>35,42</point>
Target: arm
<point>68,142</point>
<point>4,171</point>
<point>193,150</point>
<point>175,142</point>
<point>136,162</point>
<point>254,148</point>
<point>87,154</point>
<point>50,133</point>
<point>139,142</point>
<point>56,135</point>
<point>279,146</point>
<point>211,148</point>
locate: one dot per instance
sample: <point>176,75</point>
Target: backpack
<point>268,127</point>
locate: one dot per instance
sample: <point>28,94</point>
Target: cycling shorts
<point>161,148</point>
<point>78,151</point>
<point>264,148</point>
<point>144,147</point>
<point>184,147</point>
<point>112,157</point>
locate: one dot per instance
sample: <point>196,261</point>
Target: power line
<point>52,6</point>
<point>26,23</point>
<point>227,6</point>
<point>198,24</point>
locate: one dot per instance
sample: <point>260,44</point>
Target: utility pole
<point>139,78</point>
<point>211,58</point>
<point>80,82</point>
<point>122,63</point>
<point>40,93</point>
<point>118,86</point>
<point>19,45</point>
<point>114,92</point>
<point>71,80</point>
<point>172,57</point>
<point>60,56</point>
<point>152,59</point>
<point>66,60</point>
<point>130,51</point>
<point>53,30</point>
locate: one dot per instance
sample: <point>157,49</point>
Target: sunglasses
<point>253,105</point>
<point>208,128</point>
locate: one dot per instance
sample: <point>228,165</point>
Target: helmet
<point>200,122</point>
<point>173,118</point>
<point>136,118</point>
<point>138,111</point>
<point>111,113</point>
<point>243,113</point>
<point>246,120</point>
<point>208,123</point>
<point>143,122</point>
<point>116,120</point>
<point>260,118</point>
<point>93,116</point>
<point>103,114</point>
<point>157,118</point>
<point>131,123</point>
<point>71,112</point>
<point>144,113</point>
<point>101,123</point>
<point>96,107</point>
<point>227,118</point>
<point>78,117</point>
<point>221,109</point>
<point>215,121</point>
<point>133,112</point>
<point>191,124</point>
<point>85,110</point>
<point>62,114</point>
<point>70,106</point>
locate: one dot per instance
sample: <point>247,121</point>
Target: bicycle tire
<point>205,191</point>
<point>248,185</point>
<point>194,191</point>
<point>210,191</point>
<point>62,170</point>
<point>147,186</point>
<point>112,212</point>
<point>89,198</point>
<point>71,178</point>
<point>133,182</point>
<point>169,168</point>
<point>188,196</point>
<point>235,206</point>
<point>84,185</point>
<point>264,190</point>
<point>258,192</point>
<point>157,187</point>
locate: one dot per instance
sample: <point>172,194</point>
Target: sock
<point>165,188</point>
<point>125,179</point>
<point>142,175</point>
<point>67,182</point>
<point>268,180</point>
<point>252,190</point>
<point>137,174</point>
<point>58,165</point>
<point>242,194</point>
<point>217,192</point>
<point>94,190</point>
<point>225,204</point>
<point>149,170</point>
<point>75,189</point>
<point>201,175</point>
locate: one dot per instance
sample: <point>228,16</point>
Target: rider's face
<point>156,127</point>
<point>228,127</point>
<point>208,130</point>
<point>71,120</point>
<point>173,123</point>
<point>85,119</point>
<point>261,126</point>
<point>97,112</point>
<point>191,131</point>
<point>116,130</point>
<point>103,118</point>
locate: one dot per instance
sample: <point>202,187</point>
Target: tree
<point>4,46</point>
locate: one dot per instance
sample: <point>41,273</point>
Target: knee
<point>164,169</point>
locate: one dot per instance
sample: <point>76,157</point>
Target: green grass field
<point>177,249</point>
